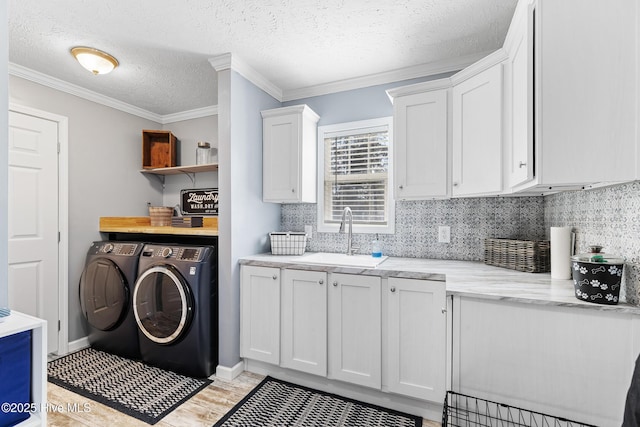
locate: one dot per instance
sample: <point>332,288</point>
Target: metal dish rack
<point>461,410</point>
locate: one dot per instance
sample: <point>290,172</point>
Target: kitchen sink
<point>326,258</point>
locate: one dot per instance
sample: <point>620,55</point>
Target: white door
<point>33,220</point>
<point>355,330</point>
<point>281,153</point>
<point>304,321</point>
<point>416,338</point>
<point>260,313</point>
<point>420,126</point>
<point>477,134</point>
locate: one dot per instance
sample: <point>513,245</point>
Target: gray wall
<point>105,158</point>
<point>189,132</point>
<point>245,220</point>
<point>4,155</point>
<point>357,104</point>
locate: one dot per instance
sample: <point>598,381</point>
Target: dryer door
<point>162,304</point>
<point>104,294</point>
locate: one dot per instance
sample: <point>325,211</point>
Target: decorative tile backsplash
<point>608,216</point>
<point>416,236</point>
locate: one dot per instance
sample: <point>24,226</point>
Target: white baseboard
<point>229,374</point>
<point>78,344</point>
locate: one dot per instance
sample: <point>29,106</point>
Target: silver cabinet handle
<point>335,283</point>
<point>401,186</point>
<point>444,310</point>
<point>455,184</point>
<point>522,164</point>
<point>293,190</point>
<point>321,281</point>
<point>275,277</point>
<point>393,289</point>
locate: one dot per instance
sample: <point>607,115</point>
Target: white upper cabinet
<point>420,140</point>
<point>585,91</point>
<point>519,108</point>
<point>477,129</point>
<point>289,137</point>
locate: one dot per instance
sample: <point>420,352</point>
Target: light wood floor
<point>203,409</point>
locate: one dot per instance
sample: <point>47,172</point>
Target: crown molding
<point>57,84</point>
<point>61,85</point>
<point>416,88</point>
<point>191,114</point>
<point>228,61</point>
<point>483,64</point>
<point>423,70</point>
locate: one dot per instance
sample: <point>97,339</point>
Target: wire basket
<point>288,243</point>
<point>462,410</point>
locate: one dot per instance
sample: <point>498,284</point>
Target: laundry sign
<point>202,201</point>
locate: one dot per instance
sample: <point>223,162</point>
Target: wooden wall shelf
<point>142,225</point>
<point>182,169</point>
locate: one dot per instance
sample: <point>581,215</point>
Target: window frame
<point>354,127</point>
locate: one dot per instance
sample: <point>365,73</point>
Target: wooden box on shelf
<point>159,149</point>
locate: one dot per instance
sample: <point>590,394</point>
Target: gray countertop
<point>466,278</point>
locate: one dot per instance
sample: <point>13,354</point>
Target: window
<point>354,164</point>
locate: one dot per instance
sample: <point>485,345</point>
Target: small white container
<point>203,153</point>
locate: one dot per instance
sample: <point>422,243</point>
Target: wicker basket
<point>288,243</point>
<point>160,215</point>
<point>531,256</point>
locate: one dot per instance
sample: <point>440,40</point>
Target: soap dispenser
<point>376,247</point>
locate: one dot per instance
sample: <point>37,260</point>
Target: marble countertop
<point>465,278</point>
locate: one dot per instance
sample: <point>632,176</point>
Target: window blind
<point>356,175</point>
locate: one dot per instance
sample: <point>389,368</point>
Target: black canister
<point>597,277</point>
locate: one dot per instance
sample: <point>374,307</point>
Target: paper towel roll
<point>561,252</point>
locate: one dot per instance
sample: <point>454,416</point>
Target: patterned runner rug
<point>279,403</point>
<point>133,388</point>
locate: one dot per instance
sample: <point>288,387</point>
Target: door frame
<point>63,218</point>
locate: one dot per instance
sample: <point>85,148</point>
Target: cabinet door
<point>570,362</point>
<point>420,145</point>
<point>416,338</point>
<point>281,154</point>
<point>521,160</point>
<point>304,321</point>
<point>260,313</point>
<point>355,329</point>
<point>477,134</point>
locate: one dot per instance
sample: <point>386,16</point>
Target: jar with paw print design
<point>597,277</point>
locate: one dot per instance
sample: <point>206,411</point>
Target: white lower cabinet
<point>260,313</point>
<point>416,338</point>
<point>339,326</point>
<point>304,321</point>
<point>564,361</point>
<point>355,329</point>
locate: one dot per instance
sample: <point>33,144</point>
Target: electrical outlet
<point>444,234</point>
<point>308,229</point>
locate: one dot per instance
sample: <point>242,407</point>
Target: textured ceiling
<point>164,45</point>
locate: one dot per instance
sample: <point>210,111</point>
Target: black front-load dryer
<point>106,286</point>
<point>175,303</point>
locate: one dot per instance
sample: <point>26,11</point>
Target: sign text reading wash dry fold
<point>203,201</point>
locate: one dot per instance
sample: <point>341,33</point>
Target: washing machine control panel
<point>177,253</point>
<point>124,249</point>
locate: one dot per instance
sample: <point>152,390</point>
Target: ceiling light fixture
<point>94,60</point>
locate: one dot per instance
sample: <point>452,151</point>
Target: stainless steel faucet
<point>347,213</point>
